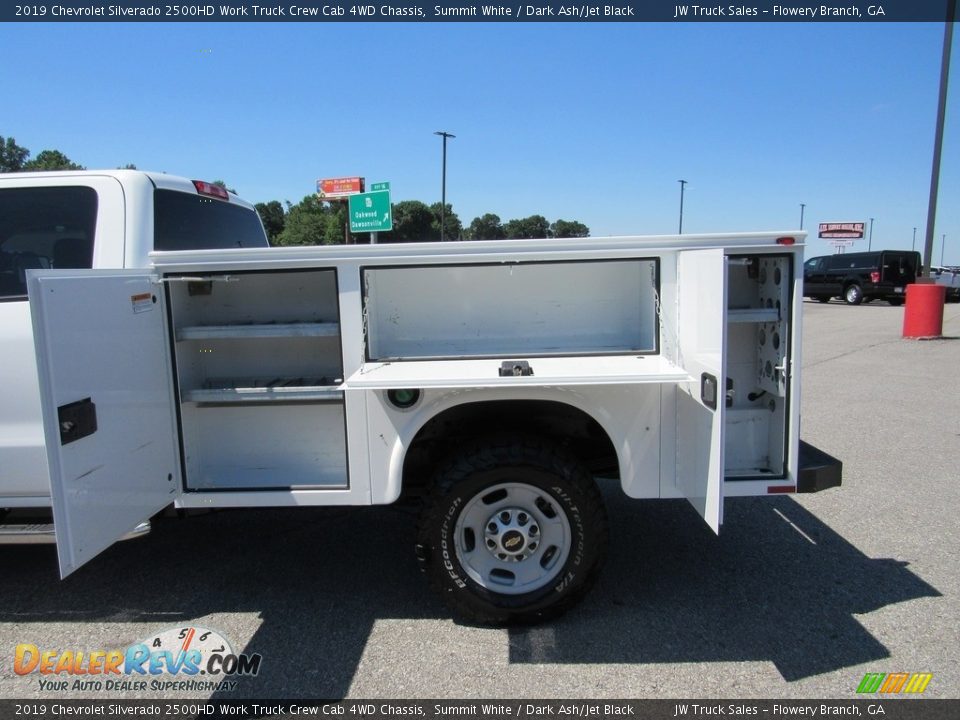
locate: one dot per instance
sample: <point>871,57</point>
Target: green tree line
<point>14,158</point>
<point>314,222</point>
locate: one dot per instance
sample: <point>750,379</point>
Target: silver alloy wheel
<point>512,538</point>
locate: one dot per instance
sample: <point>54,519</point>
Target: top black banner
<point>509,11</point>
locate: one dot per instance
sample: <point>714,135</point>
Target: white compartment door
<point>702,335</point>
<point>108,405</point>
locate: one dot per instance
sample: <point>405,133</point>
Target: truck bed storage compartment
<point>758,338</point>
<point>259,371</point>
<point>511,309</point>
<point>266,446</point>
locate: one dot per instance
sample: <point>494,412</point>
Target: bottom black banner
<point>885,709</point>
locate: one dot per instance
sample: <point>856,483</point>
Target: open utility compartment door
<point>108,410</point>
<point>702,336</point>
<point>512,324</point>
<point>492,373</point>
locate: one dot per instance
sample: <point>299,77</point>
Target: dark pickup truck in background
<point>856,277</point>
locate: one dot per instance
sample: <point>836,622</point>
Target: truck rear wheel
<point>513,531</point>
<point>853,294</point>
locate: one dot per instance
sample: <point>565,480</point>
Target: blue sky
<point>589,121</point>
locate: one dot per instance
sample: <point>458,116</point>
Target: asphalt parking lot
<point>797,598</point>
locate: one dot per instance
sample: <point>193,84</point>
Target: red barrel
<point>923,315</point>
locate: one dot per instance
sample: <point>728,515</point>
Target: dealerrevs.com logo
<point>188,659</point>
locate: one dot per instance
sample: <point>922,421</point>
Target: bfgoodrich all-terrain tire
<point>513,532</point>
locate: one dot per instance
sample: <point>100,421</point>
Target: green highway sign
<point>379,186</point>
<point>371,212</point>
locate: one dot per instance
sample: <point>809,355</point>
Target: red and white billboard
<point>339,187</point>
<point>846,230</point>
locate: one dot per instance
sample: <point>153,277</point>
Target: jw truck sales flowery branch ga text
<point>776,709</point>
<point>778,11</point>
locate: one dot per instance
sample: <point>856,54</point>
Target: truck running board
<point>43,533</point>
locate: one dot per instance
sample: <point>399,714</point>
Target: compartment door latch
<point>708,390</point>
<point>77,420</point>
<point>515,368</point>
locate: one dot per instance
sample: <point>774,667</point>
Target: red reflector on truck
<point>205,188</point>
<point>786,241</point>
<point>781,489</point>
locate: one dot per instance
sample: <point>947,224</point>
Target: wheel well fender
<point>565,424</point>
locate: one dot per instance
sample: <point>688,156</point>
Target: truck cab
<point>74,220</point>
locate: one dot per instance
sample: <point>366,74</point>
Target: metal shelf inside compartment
<point>258,330</point>
<point>747,315</point>
<point>278,389</point>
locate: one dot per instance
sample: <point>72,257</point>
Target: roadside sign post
<point>841,234</point>
<point>339,190</point>
<point>371,212</point>
<point>376,187</point>
<point>330,188</point>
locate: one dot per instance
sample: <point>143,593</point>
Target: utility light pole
<point>938,139</point>
<point>802,206</point>
<point>870,240</point>
<point>683,184</point>
<point>913,245</point>
<point>443,189</point>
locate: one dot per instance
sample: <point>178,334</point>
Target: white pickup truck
<point>949,277</point>
<point>494,381</point>
<point>89,219</point>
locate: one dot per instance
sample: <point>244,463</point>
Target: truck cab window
<point>45,227</point>
<point>185,221</point>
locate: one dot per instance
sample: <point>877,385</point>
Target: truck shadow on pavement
<point>319,579</point>
<point>777,585</point>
